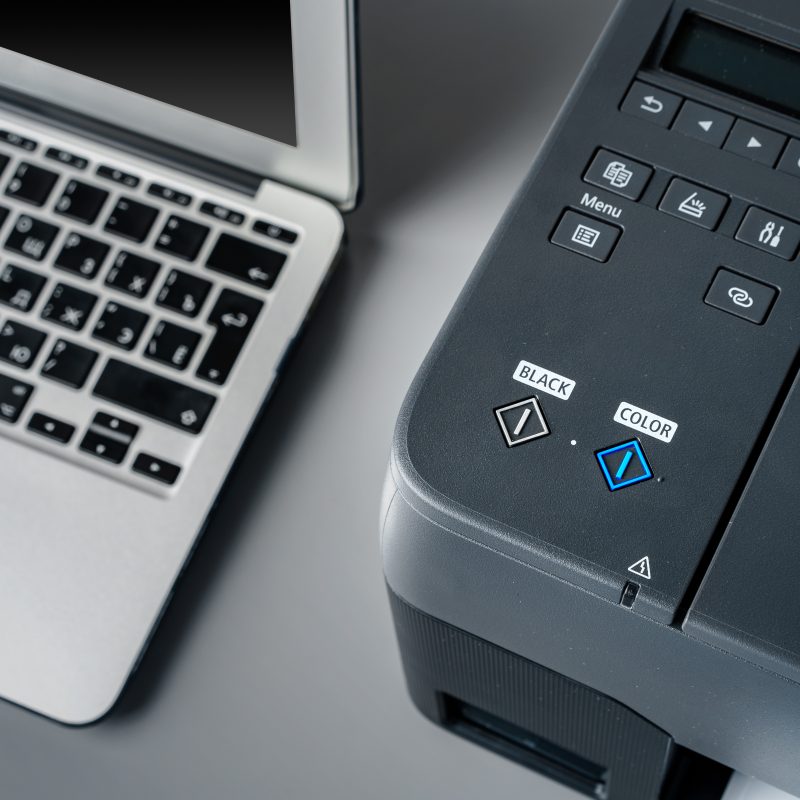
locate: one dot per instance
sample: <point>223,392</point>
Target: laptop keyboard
<point>137,296</point>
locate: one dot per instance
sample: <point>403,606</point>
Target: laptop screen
<point>233,64</point>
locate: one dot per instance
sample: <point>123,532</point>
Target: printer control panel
<point>609,379</point>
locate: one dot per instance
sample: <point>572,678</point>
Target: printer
<point>591,522</point>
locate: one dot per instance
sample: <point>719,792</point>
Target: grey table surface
<point>275,672</point>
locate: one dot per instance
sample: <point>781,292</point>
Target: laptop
<point>171,190</point>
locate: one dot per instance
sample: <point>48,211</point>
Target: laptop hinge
<point>137,144</point>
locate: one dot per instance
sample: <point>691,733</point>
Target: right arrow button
<point>754,142</point>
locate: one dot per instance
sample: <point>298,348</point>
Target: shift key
<point>154,396</point>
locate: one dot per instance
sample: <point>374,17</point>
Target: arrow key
<point>753,141</point>
<point>245,260</point>
<point>703,123</point>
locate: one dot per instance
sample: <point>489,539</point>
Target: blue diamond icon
<point>624,465</point>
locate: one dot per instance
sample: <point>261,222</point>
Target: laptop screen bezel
<point>325,160</point>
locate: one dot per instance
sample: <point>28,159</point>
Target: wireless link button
<point>586,236</point>
<point>740,296</point>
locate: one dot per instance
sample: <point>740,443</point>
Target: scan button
<point>618,174</point>
<point>586,236</point>
<point>693,203</point>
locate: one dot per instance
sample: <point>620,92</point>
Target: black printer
<point>591,526</point>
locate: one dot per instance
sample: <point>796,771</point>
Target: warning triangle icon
<point>753,142</point>
<point>641,568</point>
<point>706,124</point>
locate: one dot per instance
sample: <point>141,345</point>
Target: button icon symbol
<point>521,422</point>
<point>652,105</point>
<point>641,568</point>
<point>623,465</point>
<point>586,236</point>
<point>753,143</point>
<point>617,174</point>
<point>706,124</point>
<point>769,235</point>
<point>693,206</point>
<point>740,297</point>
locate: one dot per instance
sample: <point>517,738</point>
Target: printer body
<point>591,522</point>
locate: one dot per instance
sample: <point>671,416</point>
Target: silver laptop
<point>170,197</point>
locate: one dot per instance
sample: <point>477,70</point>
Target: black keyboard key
<point>184,293</point>
<point>82,255</point>
<point>14,396</point>
<point>132,274</point>
<point>51,428</point>
<point>274,231</point>
<point>120,325</point>
<point>165,193</point>
<point>156,468</point>
<point>220,212</point>
<point>31,237</point>
<point>182,237</point>
<point>4,212</point>
<point>20,288</point>
<point>69,306</point>
<point>233,316</point>
<point>19,344</point>
<point>172,345</point>
<point>31,183</point>
<point>131,219</point>
<point>109,437</point>
<point>246,261</point>
<point>18,141</point>
<point>3,162</point>
<point>154,396</point>
<point>118,176</point>
<point>69,363</point>
<point>64,157</point>
<point>81,201</point>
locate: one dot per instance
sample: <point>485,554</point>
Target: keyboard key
<point>752,141</point>
<point>19,344</point>
<point>81,255</point>
<point>165,193</point>
<point>131,219</point>
<point>31,237</point>
<point>693,203</point>
<point>63,157</point>
<point>770,233</point>
<point>20,288</point>
<point>246,261</point>
<point>18,141</point>
<point>3,162</point>
<point>109,438</point>
<point>182,237</point>
<point>154,396</point>
<point>4,211</point>
<point>233,316</point>
<point>120,326</point>
<point>69,363</point>
<point>14,396</point>
<point>172,345</point>
<point>51,428</point>
<point>81,201</point>
<point>156,468</point>
<point>651,103</point>
<point>69,306</point>
<point>220,212</point>
<point>31,183</point>
<point>184,293</point>
<point>118,176</point>
<point>274,231</point>
<point>132,274</point>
